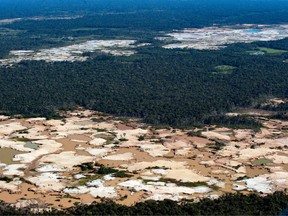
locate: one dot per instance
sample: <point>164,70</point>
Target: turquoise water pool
<point>31,145</point>
<point>253,30</point>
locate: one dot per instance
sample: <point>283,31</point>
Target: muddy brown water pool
<point>7,154</point>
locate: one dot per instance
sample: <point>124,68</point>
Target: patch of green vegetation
<point>161,127</point>
<point>112,133</point>
<point>19,139</point>
<point>223,72</point>
<point>97,164</point>
<point>123,139</point>
<point>168,157</point>
<point>6,179</point>
<point>141,138</point>
<point>188,184</point>
<point>122,174</point>
<point>101,170</point>
<point>217,146</point>
<point>262,161</point>
<point>106,170</point>
<point>86,166</point>
<point>100,129</point>
<point>256,53</point>
<point>242,178</point>
<point>25,131</point>
<point>83,181</point>
<point>157,167</point>
<point>108,137</point>
<point>224,69</point>
<point>109,140</point>
<point>84,128</point>
<point>25,180</point>
<point>98,120</point>
<point>71,197</point>
<point>123,198</point>
<point>124,120</point>
<point>272,51</point>
<point>161,141</point>
<point>194,133</point>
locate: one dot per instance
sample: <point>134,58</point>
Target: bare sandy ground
<point>215,38</point>
<point>159,163</point>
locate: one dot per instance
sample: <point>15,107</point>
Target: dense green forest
<point>230,204</point>
<point>174,87</point>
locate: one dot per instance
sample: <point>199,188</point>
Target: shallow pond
<point>84,123</point>
<point>31,145</point>
<point>7,154</point>
<point>261,161</point>
<point>253,31</point>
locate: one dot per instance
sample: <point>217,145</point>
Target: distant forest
<point>177,10</point>
<point>137,19</point>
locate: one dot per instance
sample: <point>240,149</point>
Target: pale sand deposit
<point>122,157</point>
<point>73,52</point>
<point>186,175</point>
<point>157,166</point>
<point>217,37</point>
<point>65,160</point>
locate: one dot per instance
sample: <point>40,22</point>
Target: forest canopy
<point>172,87</point>
<point>230,204</point>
